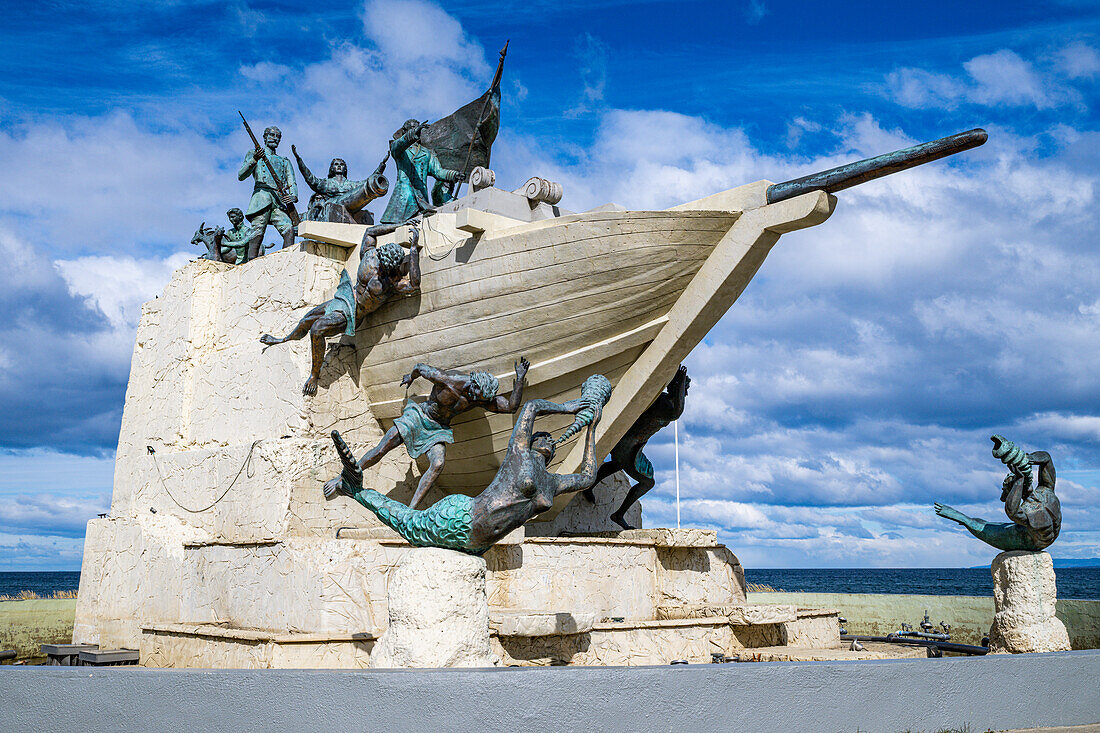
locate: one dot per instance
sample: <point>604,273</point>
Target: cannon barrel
<point>852,174</point>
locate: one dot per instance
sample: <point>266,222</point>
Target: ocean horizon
<point>1073,582</point>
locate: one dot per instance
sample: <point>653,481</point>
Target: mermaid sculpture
<point>627,455</point>
<point>1035,512</point>
<point>522,488</point>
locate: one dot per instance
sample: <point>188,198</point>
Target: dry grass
<point>761,588</point>
<point>30,595</point>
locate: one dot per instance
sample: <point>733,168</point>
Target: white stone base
<point>1024,595</point>
<point>438,612</point>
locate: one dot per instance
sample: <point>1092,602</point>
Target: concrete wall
<point>920,695</point>
<point>878,614</point>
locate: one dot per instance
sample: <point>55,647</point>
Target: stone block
<point>1024,599</point>
<point>814,628</point>
<point>438,612</point>
<point>540,623</point>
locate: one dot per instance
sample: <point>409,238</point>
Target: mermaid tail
<point>446,524</point>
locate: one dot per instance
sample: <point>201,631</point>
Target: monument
<point>222,549</point>
<point>1024,589</point>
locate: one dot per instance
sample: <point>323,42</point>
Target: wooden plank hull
<point>577,295</point>
<point>626,294</point>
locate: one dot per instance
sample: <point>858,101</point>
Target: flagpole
<point>676,439</point>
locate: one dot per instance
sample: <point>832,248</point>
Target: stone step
<point>750,614</point>
<point>871,650</point>
<point>218,645</point>
<point>539,623</point>
<point>657,537</point>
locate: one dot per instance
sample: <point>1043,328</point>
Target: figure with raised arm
<point>267,205</point>
<point>341,200</point>
<point>414,164</point>
<point>1035,512</point>
<point>383,272</point>
<point>627,455</point>
<point>425,427</point>
<point>522,488</point>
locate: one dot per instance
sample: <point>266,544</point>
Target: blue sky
<point>855,382</point>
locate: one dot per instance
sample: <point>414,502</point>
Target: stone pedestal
<point>438,612</point>
<point>1024,596</point>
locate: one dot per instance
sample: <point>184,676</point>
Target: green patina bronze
<point>414,163</point>
<point>237,237</point>
<point>1035,512</point>
<point>446,524</point>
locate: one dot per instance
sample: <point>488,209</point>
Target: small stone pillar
<point>438,612</point>
<point>1024,596</point>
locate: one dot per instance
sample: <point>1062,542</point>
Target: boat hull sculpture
<point>578,294</point>
<point>627,294</point>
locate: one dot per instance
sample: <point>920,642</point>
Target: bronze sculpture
<point>383,272</point>
<point>627,455</point>
<point>425,427</point>
<point>1036,513</point>
<point>238,236</point>
<point>225,246</point>
<point>211,238</point>
<point>341,200</point>
<point>274,192</point>
<point>522,488</point>
<point>414,163</point>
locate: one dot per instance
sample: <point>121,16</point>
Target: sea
<point>1081,583</point>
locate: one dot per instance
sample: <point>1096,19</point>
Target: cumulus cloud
<point>999,78</point>
<point>856,381</point>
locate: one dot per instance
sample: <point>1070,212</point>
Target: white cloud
<point>118,286</point>
<point>1080,60</point>
<point>1002,78</point>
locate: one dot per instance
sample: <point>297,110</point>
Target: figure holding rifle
<point>274,193</point>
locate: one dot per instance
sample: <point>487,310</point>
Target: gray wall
<point>878,614</point>
<point>995,692</point>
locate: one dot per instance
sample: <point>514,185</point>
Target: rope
<point>247,463</point>
<point>451,243</point>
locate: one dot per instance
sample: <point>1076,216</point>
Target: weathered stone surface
<point>810,654</point>
<point>1024,597</point>
<point>438,612</point>
<point>660,537</point>
<point>738,615</point>
<point>814,628</point>
<point>536,623</point>
<point>627,644</point>
<point>213,646</point>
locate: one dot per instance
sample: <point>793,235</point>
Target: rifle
<point>279,185</point>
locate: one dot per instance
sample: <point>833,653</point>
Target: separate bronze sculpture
<point>274,192</point>
<point>383,272</point>
<point>341,200</point>
<point>425,427</point>
<point>211,238</point>
<point>415,163</point>
<point>225,246</point>
<point>627,455</point>
<point>1036,513</point>
<point>238,236</point>
<point>522,488</point>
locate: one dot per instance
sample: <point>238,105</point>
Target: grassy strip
<point>26,625</point>
<point>30,595</point>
